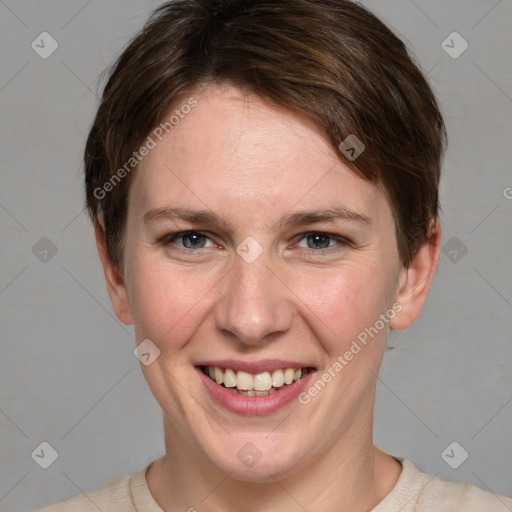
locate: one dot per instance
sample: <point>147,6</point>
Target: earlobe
<point>415,280</point>
<point>114,279</point>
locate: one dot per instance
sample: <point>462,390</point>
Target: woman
<point>263,181</point>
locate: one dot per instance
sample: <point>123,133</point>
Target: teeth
<point>219,378</point>
<point>289,375</point>
<point>261,384</point>
<point>229,378</point>
<point>277,378</point>
<point>249,392</point>
<point>243,381</point>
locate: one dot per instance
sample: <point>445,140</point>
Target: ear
<point>415,280</point>
<point>114,278</point>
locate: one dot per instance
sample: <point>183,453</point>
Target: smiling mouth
<point>260,384</point>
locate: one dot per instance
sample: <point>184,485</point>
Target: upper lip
<point>254,367</point>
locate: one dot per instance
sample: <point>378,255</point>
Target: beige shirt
<point>414,492</point>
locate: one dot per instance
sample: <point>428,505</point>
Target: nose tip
<point>253,307</point>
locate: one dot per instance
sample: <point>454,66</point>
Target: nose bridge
<point>254,303</point>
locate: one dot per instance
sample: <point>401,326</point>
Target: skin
<point>252,163</point>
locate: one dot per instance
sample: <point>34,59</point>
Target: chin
<point>260,460</point>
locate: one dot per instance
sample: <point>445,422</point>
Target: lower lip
<point>254,405</point>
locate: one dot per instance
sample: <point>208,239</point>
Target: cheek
<point>167,303</point>
<point>342,303</point>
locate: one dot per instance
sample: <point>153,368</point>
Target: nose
<point>254,307</point>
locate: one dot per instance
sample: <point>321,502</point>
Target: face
<point>254,254</point>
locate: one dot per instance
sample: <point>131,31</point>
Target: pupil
<point>190,241</point>
<point>320,241</point>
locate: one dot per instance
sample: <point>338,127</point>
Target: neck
<point>352,475</point>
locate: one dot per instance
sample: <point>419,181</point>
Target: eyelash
<point>170,238</point>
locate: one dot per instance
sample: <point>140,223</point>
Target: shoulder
<point>116,492</point>
<point>451,496</point>
<point>416,491</point>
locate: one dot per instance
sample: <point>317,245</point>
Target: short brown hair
<point>330,59</point>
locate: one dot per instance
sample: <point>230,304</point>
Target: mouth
<point>255,385</point>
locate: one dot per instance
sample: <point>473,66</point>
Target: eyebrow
<point>298,218</point>
<point>332,215</point>
<point>187,214</point>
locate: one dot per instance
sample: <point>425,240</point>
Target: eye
<point>319,241</point>
<point>192,240</point>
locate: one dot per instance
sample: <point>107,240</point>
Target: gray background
<point>67,372</point>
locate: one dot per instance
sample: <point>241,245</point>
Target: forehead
<point>236,151</point>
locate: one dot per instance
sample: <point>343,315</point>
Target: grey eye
<point>193,240</point>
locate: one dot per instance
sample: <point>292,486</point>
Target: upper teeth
<point>259,382</point>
